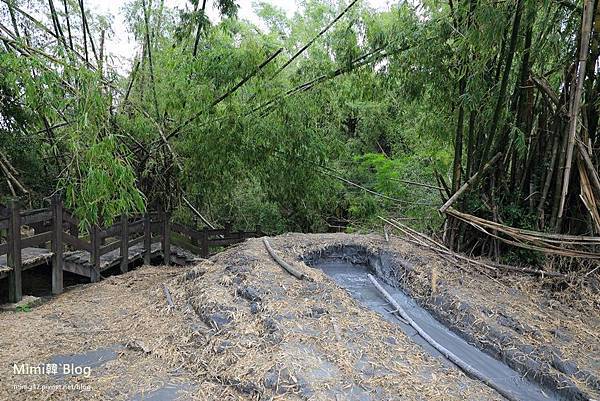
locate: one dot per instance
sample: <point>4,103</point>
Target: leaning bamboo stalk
<point>592,171</point>
<point>310,42</point>
<point>586,23</point>
<point>470,182</point>
<point>13,17</point>
<point>150,63</point>
<point>464,366</point>
<point>587,194</point>
<point>225,95</point>
<point>57,27</point>
<point>199,28</point>
<point>197,213</point>
<point>41,26</point>
<point>68,25</point>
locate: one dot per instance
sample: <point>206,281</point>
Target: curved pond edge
<point>457,315</point>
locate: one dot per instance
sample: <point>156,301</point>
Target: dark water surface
<point>353,277</point>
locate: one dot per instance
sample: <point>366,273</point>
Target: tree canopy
<point>319,121</point>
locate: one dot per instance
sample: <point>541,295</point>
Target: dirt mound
<point>263,333</point>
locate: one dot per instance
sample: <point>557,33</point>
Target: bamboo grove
<point>323,120</point>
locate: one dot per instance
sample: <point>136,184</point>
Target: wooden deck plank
<point>31,257</point>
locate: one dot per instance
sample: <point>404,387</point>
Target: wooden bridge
<point>56,241</point>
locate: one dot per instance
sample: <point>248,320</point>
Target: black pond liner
<point>348,266</point>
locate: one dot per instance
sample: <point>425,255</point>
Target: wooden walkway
<point>56,241</point>
<point>78,262</point>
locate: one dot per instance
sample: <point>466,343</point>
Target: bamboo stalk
<point>588,12</point>
<point>310,42</point>
<point>13,17</point>
<point>150,63</point>
<point>68,25</point>
<point>225,95</point>
<point>199,29</point>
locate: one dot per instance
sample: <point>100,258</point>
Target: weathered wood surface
<point>38,256</point>
<point>30,257</point>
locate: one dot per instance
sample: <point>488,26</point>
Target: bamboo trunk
<point>588,12</point>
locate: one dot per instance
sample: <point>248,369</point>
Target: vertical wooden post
<point>57,245</point>
<point>204,245</point>
<point>95,254</point>
<point>166,237</point>
<point>147,239</point>
<point>15,285</point>
<point>124,243</point>
<point>227,229</point>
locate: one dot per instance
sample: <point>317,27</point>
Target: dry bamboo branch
<point>536,241</point>
<point>197,213</point>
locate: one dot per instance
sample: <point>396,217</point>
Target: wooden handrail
<point>35,240</point>
<point>104,249</point>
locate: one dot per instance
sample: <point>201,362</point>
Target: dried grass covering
<point>305,339</point>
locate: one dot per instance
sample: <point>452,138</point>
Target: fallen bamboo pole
<point>445,252</point>
<point>468,369</point>
<point>287,267</point>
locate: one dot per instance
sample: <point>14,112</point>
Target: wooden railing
<point>199,241</point>
<point>54,228</point>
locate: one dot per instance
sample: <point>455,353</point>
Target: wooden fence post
<point>124,243</point>
<point>204,244</point>
<point>15,285</point>
<point>147,239</point>
<point>57,245</point>
<point>166,237</point>
<point>95,254</point>
<point>227,229</point>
